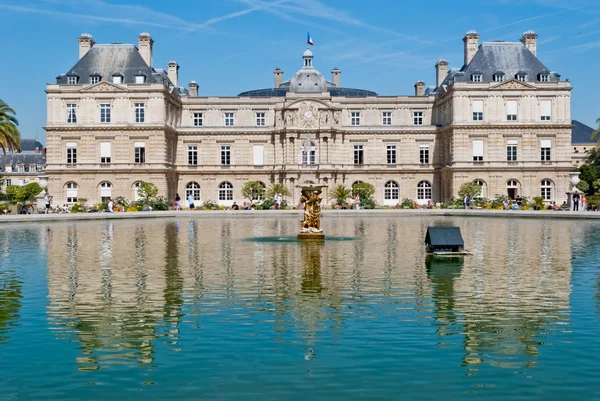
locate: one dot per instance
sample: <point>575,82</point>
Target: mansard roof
<point>333,91</point>
<point>107,60</point>
<point>511,58</point>
<point>581,133</point>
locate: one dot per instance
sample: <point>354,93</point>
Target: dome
<point>308,80</point>
<point>307,53</point>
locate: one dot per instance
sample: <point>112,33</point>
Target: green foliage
<point>407,204</point>
<point>470,189</point>
<point>147,191</point>
<point>499,201</point>
<point>121,200</point>
<point>10,138</point>
<point>340,193</point>
<point>210,205</point>
<point>596,185</point>
<point>538,203</point>
<point>276,188</point>
<point>19,194</point>
<point>254,190</point>
<point>583,186</point>
<point>364,190</point>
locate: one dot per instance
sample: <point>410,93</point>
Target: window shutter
<point>104,149</point>
<point>477,106</point>
<point>259,155</point>
<point>478,148</point>
<point>511,107</point>
<point>546,108</point>
<point>546,143</point>
<point>139,145</point>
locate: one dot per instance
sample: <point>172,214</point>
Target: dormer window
<point>544,77</point>
<point>72,79</point>
<point>117,79</point>
<point>94,78</point>
<point>476,77</point>
<point>498,77</point>
<point>521,77</point>
<point>140,79</point>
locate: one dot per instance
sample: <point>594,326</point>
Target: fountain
<point>310,227</point>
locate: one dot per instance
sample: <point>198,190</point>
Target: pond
<point>192,309</point>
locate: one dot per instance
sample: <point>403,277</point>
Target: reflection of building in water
<point>10,289</point>
<point>504,309</point>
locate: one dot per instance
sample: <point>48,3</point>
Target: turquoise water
<point>192,309</point>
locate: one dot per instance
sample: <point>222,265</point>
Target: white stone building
<point>502,119</point>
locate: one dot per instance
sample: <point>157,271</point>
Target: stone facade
<point>421,147</point>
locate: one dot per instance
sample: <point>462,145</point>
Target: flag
<point>309,39</point>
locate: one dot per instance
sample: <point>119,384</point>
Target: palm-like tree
<point>340,193</point>
<point>277,188</point>
<point>596,132</point>
<point>10,139</point>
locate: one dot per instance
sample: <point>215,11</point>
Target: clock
<point>308,114</point>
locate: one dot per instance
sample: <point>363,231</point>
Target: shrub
<point>407,204</point>
<point>340,193</point>
<point>147,190</point>
<point>470,189</point>
<point>253,190</point>
<point>209,205</point>
<point>122,200</point>
<point>538,203</point>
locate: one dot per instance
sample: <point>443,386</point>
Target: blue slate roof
<point>333,91</point>
<point>581,133</point>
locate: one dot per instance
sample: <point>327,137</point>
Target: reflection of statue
<point>310,227</point>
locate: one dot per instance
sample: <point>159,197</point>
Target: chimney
<point>529,39</point>
<point>85,44</point>
<point>173,73</point>
<point>471,40</point>
<point>441,71</point>
<point>278,74</point>
<point>193,89</point>
<point>335,76</point>
<point>37,149</point>
<point>145,43</point>
<point>420,88</point>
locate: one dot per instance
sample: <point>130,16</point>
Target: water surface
<point>192,309</point>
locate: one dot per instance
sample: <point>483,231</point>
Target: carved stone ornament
<point>103,87</point>
<point>513,84</point>
<point>308,115</point>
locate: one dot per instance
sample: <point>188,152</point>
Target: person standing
<point>583,203</point>
<point>177,202</point>
<point>278,200</point>
<point>519,201</point>
<point>356,202</point>
<point>47,201</point>
<point>467,201</point>
<point>111,206</point>
<point>190,199</point>
<point>575,202</point>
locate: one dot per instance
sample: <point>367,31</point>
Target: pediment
<point>513,84</point>
<point>308,102</point>
<point>104,87</point>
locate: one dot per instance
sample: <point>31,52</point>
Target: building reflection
<point>11,288</point>
<point>120,289</point>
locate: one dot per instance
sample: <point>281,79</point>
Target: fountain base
<point>311,236</point>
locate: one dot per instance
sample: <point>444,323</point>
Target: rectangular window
<point>226,155</point>
<point>139,112</point>
<point>140,79</point>
<point>476,78</point>
<point>544,77</point>
<point>259,155</point>
<point>94,79</point>
<point>546,149</point>
<point>477,110</point>
<point>511,151</point>
<point>104,152</point>
<point>359,154</point>
<point>355,118</point>
<point>391,154</point>
<point>424,154</point>
<point>139,152</point>
<point>511,110</point>
<point>117,79</point>
<point>193,155</point>
<point>229,121</point>
<point>417,118</point>
<point>546,110</point>
<point>478,151</point>
<point>8,182</point>
<point>521,77</point>
<point>71,113</point>
<point>71,80</point>
<point>198,119</point>
<point>260,119</point>
<point>71,152</point>
<point>386,118</point>
<point>105,113</point>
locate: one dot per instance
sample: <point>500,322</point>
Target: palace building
<point>502,119</point>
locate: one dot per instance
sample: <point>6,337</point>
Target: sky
<point>230,46</point>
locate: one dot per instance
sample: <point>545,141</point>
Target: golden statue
<point>310,226</point>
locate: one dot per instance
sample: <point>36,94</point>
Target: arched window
<point>105,191</point>
<point>71,189</point>
<point>136,186</point>
<point>424,190</point>
<point>512,188</point>
<point>547,188</point>
<point>308,153</point>
<point>225,191</point>
<point>391,193</point>
<point>192,188</point>
<point>481,183</point>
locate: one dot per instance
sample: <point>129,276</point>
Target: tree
<point>147,191</point>
<point>10,138</point>
<point>596,132</point>
<point>364,190</point>
<point>583,186</point>
<point>340,193</point>
<point>470,189</point>
<point>19,194</point>
<point>253,190</point>
<point>274,189</point>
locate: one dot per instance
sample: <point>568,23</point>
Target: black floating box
<point>444,239</point>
